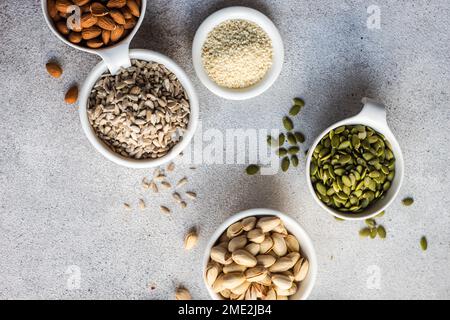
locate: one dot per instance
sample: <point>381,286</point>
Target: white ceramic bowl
<point>373,115</point>
<point>115,56</point>
<point>307,248</point>
<point>98,144</point>
<point>238,13</point>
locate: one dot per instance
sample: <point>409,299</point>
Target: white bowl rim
<point>379,124</point>
<point>99,145</point>
<point>238,12</point>
<point>305,241</point>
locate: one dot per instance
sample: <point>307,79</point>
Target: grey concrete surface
<point>61,201</point>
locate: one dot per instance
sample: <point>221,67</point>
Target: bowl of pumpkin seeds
<point>355,167</point>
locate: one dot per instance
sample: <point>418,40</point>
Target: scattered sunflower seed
<point>127,206</point>
<point>408,202</point>
<point>164,209</point>
<point>171,166</point>
<point>191,195</point>
<point>182,182</point>
<point>423,244</point>
<point>285,163</point>
<point>176,196</point>
<point>183,204</point>
<point>159,178</point>
<point>141,204</point>
<point>381,232</point>
<point>288,124</point>
<point>166,185</point>
<point>153,187</point>
<point>252,169</point>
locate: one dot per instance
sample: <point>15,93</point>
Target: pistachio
<point>267,281</point>
<point>265,260</point>
<point>233,267</point>
<point>183,294</point>
<point>292,243</point>
<point>301,269</point>
<point>221,255</point>
<point>266,245</point>
<point>251,293</point>
<point>244,258</point>
<point>241,289</point>
<point>281,281</point>
<point>267,224</point>
<point>281,229</point>
<point>270,295</point>
<point>256,274</point>
<point>256,235</point>
<point>286,292</point>
<point>248,223</point>
<point>285,263</point>
<point>190,240</point>
<point>212,272</point>
<point>225,293</point>
<point>253,248</point>
<point>279,245</point>
<point>237,243</point>
<point>232,280</point>
<point>235,229</point>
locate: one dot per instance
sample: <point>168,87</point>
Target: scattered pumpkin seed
<point>364,233</point>
<point>381,214</point>
<point>281,139</point>
<point>408,202</point>
<point>285,163</point>
<point>299,102</point>
<point>424,244</point>
<point>295,109</point>
<point>291,138</point>
<point>252,169</point>
<point>294,161</point>
<point>288,124</point>
<point>381,232</point>
<point>300,137</point>
<point>270,141</point>
<point>370,223</point>
<point>294,150</point>
<point>281,152</point>
<point>373,233</point>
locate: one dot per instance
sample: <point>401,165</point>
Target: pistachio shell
<point>244,258</point>
<point>267,224</point>
<point>212,272</point>
<point>301,269</point>
<point>225,293</point>
<point>224,238</point>
<point>286,292</point>
<point>285,263</point>
<point>235,229</point>
<point>281,281</point>
<point>221,255</point>
<point>251,294</point>
<point>266,245</point>
<point>256,274</point>
<point>281,229</point>
<point>265,260</point>
<point>237,296</point>
<point>233,267</point>
<point>292,243</point>
<point>248,223</point>
<point>279,245</point>
<point>241,289</point>
<point>256,235</point>
<point>223,244</point>
<point>266,281</point>
<point>232,280</point>
<point>270,295</point>
<point>253,248</point>
<point>218,284</point>
<point>237,243</point>
<point>280,297</point>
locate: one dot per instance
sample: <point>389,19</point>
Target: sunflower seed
<point>141,204</point>
<point>127,206</point>
<point>182,182</point>
<point>166,185</point>
<point>164,209</point>
<point>153,187</point>
<point>177,197</point>
<point>191,195</point>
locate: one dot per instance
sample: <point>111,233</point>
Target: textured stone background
<point>61,201</point>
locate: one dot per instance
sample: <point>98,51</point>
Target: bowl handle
<point>117,57</point>
<point>373,110</point>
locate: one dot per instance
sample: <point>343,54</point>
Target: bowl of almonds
<point>103,27</point>
<point>260,254</point>
<point>144,115</point>
<point>355,167</point>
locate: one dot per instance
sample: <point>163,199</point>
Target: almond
<point>117,16</point>
<point>51,8</point>
<point>130,23</point>
<point>134,8</point>
<point>75,37</point>
<point>94,43</point>
<point>54,69</point>
<point>88,20</point>
<point>126,13</point>
<point>61,26</point>
<point>91,33</point>
<point>106,23</point>
<point>117,33</point>
<point>106,36</point>
<point>71,95</point>
<point>63,5</point>
<point>116,3</point>
<point>80,3</point>
<point>99,10</point>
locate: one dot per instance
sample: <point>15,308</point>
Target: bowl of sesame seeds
<point>238,53</point>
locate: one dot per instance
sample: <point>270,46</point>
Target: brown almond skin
<point>134,8</point>
<point>88,20</point>
<point>54,69</point>
<point>94,43</point>
<point>71,95</point>
<point>116,3</point>
<point>106,36</point>
<point>130,23</point>
<point>106,23</point>
<point>117,16</point>
<point>80,3</point>
<point>51,8</point>
<point>98,9</point>
<point>75,37</point>
<point>62,5</point>
<point>117,33</point>
<point>126,13</point>
<point>61,26</point>
<point>91,33</point>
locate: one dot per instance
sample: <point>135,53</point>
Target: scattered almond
<point>71,95</point>
<point>54,69</point>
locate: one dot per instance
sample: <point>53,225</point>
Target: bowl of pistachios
<point>355,167</point>
<point>260,254</point>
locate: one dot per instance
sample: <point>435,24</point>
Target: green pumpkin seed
<point>294,150</point>
<point>281,139</point>
<point>370,223</point>
<point>294,161</point>
<point>285,163</point>
<point>291,138</point>
<point>424,244</point>
<point>381,232</point>
<point>298,102</point>
<point>300,137</point>
<point>295,109</point>
<point>288,124</point>
<point>373,233</point>
<point>408,202</point>
<point>270,141</point>
<point>364,233</point>
<point>381,214</point>
<point>281,152</point>
<point>252,169</point>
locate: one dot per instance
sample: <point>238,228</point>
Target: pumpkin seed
<point>294,160</point>
<point>252,169</point>
<point>281,139</point>
<point>370,223</point>
<point>364,233</point>
<point>423,244</point>
<point>299,102</point>
<point>300,137</point>
<point>288,124</point>
<point>285,163</point>
<point>270,141</point>
<point>293,150</point>
<point>295,109</point>
<point>281,152</point>
<point>291,138</point>
<point>408,202</point>
<point>381,232</point>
